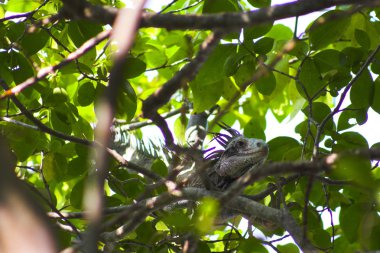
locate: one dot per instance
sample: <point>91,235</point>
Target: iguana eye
<point>240,144</point>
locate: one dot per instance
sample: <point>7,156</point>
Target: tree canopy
<point>72,71</point>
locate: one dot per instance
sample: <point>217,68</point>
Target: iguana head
<point>238,156</point>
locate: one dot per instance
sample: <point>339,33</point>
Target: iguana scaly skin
<point>239,154</point>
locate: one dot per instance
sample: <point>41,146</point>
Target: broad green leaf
<point>350,117</point>
<point>288,248</point>
<point>251,245</point>
<point>22,6</point>
<point>245,71</point>
<point>206,214</point>
<point>362,38</point>
<point>264,45</point>
<point>23,141</point>
<point>350,218</point>
<point>260,3</point>
<point>361,93</point>
<point>60,121</point>
<point>319,113</point>
<point>253,129</point>
<point>232,64</point>
<point>208,85</point>
<point>86,94</point>
<point>353,55</point>
<point>54,167</point>
<point>280,33</point>
<point>300,49</point>
<point>83,129</point>
<point>310,79</point>
<point>321,238</point>
<point>376,96</point>
<point>281,146</point>
<point>160,168</point>
<point>77,167</point>
<point>266,84</point>
<point>331,60</point>
<point>133,67</point>
<point>328,28</point>
<point>126,102</point>
<point>206,94</point>
<point>256,31</point>
<point>81,31</point>
<point>21,67</point>
<point>76,196</point>
<point>214,6</point>
<point>33,42</point>
<point>349,140</point>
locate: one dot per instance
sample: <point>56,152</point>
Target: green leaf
<point>245,72</point>
<point>232,64</point>
<point>264,45</point>
<point>86,94</point>
<point>376,96</point>
<point>328,28</point>
<point>251,245</point>
<point>288,248</point>
<point>362,38</point>
<point>350,219</point>
<point>331,60</point>
<point>310,79</point>
<point>20,66</point>
<point>133,67</point>
<point>350,117</point>
<point>361,93</point>
<point>253,129</point>
<point>266,84</point>
<point>321,238</point>
<point>349,140</point>
<point>160,168</point>
<point>77,167</point>
<point>281,147</point>
<point>300,49</point>
<point>256,31</point>
<point>280,32</point>
<point>22,6</point>
<point>320,111</point>
<point>34,42</point>
<point>80,31</point>
<point>260,3</point>
<point>207,87</point>
<point>214,6</point>
<point>54,167</point>
<point>76,196</point>
<point>126,102</point>
<point>206,214</point>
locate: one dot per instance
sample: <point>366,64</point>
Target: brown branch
<point>342,97</point>
<point>245,19</point>
<point>163,95</point>
<point>106,15</point>
<point>44,72</point>
<point>39,124</point>
<point>123,36</point>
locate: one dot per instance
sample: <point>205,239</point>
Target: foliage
<point>259,68</point>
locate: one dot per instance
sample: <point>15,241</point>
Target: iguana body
<point>219,169</point>
<point>223,167</point>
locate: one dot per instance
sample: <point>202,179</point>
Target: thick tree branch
<point>163,95</point>
<point>106,15</point>
<point>94,189</point>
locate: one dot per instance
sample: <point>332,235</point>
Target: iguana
<point>237,154</point>
<point>224,166</point>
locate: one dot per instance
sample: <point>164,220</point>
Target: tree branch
<point>44,72</point>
